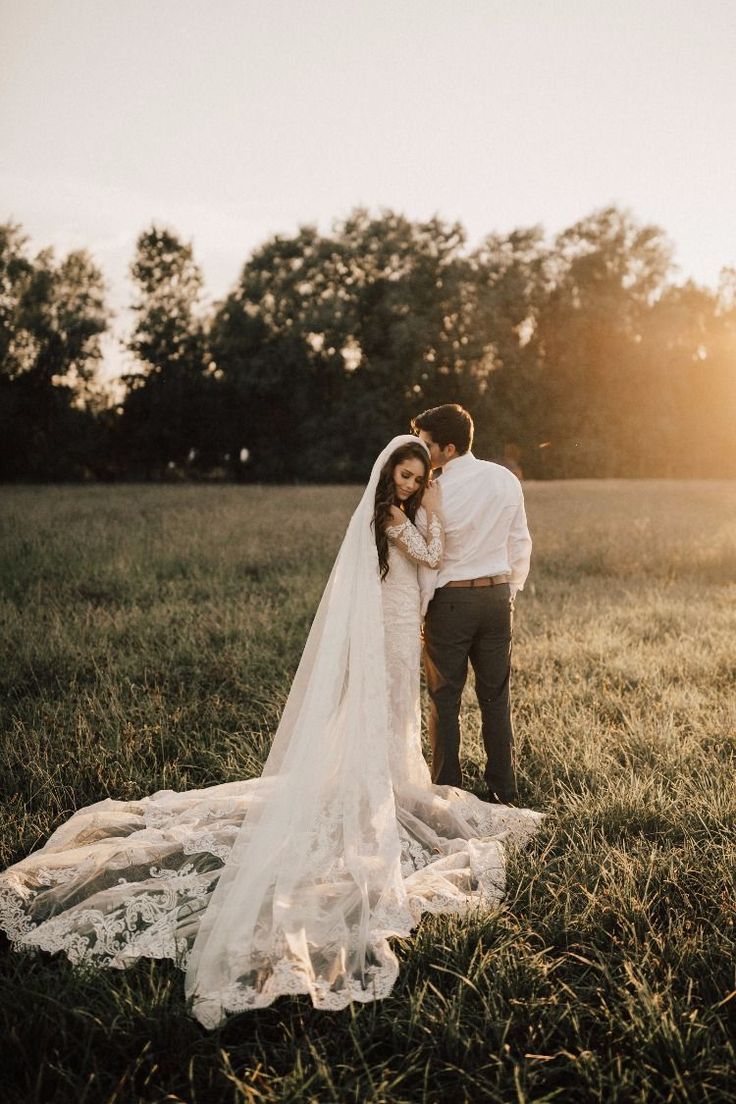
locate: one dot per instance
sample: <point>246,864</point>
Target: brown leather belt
<point>483,581</point>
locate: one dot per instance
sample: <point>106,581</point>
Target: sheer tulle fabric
<point>293,882</point>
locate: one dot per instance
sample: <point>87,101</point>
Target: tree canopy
<point>52,316</point>
<point>577,356</point>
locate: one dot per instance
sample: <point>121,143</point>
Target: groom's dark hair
<point>448,424</point>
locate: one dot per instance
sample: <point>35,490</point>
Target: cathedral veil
<point>312,888</point>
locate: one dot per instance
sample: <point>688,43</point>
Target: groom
<point>486,561</point>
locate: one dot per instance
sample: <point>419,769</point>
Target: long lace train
<point>121,880</point>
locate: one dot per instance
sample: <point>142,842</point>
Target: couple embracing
<point>294,882</point>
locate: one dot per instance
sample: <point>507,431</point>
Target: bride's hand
<point>431,499</point>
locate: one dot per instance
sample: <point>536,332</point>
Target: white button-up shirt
<point>486,532</point>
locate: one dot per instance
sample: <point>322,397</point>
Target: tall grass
<point>149,636</point>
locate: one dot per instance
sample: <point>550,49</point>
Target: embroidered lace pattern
<point>407,537</point>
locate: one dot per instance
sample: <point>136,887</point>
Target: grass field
<point>149,634</point>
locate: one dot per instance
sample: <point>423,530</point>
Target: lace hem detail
<point>143,925</point>
<point>288,979</point>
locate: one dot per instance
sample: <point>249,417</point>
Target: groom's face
<point>438,456</point>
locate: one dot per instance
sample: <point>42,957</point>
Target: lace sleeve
<point>411,542</point>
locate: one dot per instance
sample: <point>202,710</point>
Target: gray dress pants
<point>470,623</point>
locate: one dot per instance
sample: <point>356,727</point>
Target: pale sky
<point>232,120</point>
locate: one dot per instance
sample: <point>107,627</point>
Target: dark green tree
<point>416,340</point>
<point>329,344</point>
<point>168,412</point>
<point>511,277</point>
<point>277,342</point>
<point>52,316</point>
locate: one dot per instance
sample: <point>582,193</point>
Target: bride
<point>293,882</point>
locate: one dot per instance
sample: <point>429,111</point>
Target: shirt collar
<point>459,465</point>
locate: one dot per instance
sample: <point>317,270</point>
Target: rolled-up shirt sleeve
<point>519,546</point>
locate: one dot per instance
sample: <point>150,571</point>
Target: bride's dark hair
<point>386,497</point>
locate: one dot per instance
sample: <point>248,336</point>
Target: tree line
<point>579,356</point>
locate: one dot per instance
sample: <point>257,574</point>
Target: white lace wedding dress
<point>295,881</point>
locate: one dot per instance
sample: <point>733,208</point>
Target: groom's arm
<point>519,546</point>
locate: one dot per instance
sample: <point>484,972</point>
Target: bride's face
<point>408,477</point>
